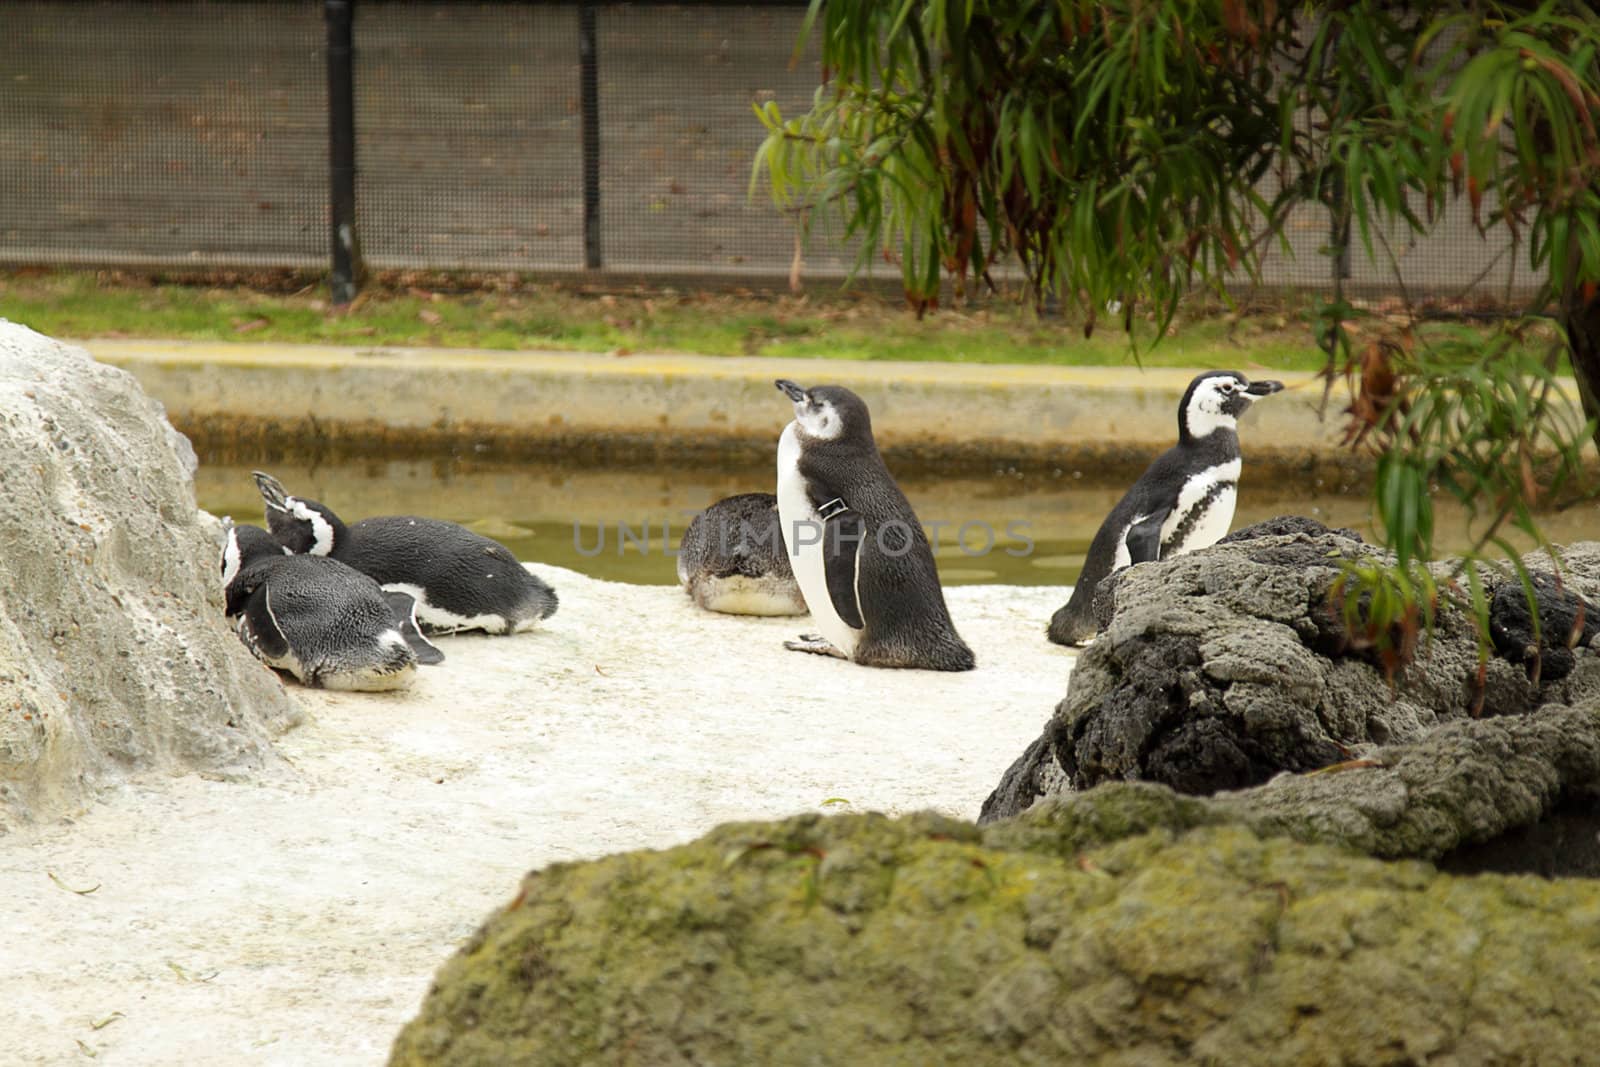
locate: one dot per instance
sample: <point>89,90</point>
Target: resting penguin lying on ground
<point>1184,501</point>
<point>856,546</point>
<point>324,623</point>
<point>732,559</point>
<point>459,579</point>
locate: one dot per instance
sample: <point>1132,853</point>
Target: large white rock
<point>114,657</point>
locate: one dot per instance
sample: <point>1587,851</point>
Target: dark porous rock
<point>1204,676</point>
<point>1286,526</point>
<point>1034,774</point>
<point>1288,541</point>
<point>1566,621</point>
<point>1127,925</point>
<point>1223,668</point>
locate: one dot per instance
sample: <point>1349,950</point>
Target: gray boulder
<point>114,657</point>
<point>1220,669</point>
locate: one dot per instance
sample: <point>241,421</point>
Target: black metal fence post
<point>589,95</point>
<point>347,267</point>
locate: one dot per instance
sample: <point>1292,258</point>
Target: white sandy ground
<point>297,918</point>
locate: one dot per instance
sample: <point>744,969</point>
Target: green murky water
<point>623,524</point>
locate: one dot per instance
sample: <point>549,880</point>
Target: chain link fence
<point>586,139</point>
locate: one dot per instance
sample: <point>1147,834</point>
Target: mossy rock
<point>1129,925</point>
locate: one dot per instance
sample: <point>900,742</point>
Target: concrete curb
<point>514,404</point>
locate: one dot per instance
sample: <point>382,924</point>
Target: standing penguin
<point>324,623</point>
<point>459,579</point>
<point>856,546</point>
<point>1184,501</point>
<point>732,559</point>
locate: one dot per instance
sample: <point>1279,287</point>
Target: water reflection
<point>557,514</point>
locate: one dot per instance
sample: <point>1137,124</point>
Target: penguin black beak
<point>271,491</point>
<point>1263,388</point>
<point>790,390</point>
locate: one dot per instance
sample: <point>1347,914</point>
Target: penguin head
<point>827,412</point>
<point>1216,399</point>
<point>242,546</point>
<point>301,526</point>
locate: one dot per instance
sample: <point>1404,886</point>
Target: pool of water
<point>623,525</point>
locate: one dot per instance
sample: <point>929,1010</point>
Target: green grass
<point>526,316</point>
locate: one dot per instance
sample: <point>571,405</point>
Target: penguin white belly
<point>802,536</point>
<point>1204,511</point>
<point>377,677</point>
<point>739,594</point>
<point>437,618</point>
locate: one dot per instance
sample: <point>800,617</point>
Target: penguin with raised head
<point>1183,502</point>
<point>459,579</point>
<point>326,624</point>
<point>732,559</point>
<point>856,546</point>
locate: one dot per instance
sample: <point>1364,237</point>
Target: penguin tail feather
<point>536,595</point>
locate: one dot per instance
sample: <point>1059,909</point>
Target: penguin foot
<point>814,643</point>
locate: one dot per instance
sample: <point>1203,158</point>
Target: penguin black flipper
<point>404,607</point>
<point>259,627</point>
<point>1073,623</point>
<point>843,531</point>
<point>1143,539</point>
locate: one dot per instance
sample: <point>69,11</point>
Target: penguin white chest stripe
<point>855,585</point>
<point>1204,510</point>
<point>802,536</point>
<point>273,615</point>
<point>231,560</point>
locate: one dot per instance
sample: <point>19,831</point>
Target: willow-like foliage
<point>1118,153</point>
